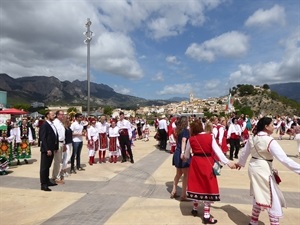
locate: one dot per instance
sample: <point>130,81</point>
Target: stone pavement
<point>132,194</point>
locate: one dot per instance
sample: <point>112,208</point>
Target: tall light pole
<point>87,41</point>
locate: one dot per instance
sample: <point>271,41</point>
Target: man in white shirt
<point>77,129</point>
<point>124,138</point>
<point>57,160</point>
<point>163,131</point>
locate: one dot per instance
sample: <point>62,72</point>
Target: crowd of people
<point>201,142</point>
<point>196,144</point>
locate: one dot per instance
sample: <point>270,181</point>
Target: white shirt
<point>113,132</point>
<point>92,132</point>
<point>162,124</point>
<point>234,128</point>
<point>102,127</point>
<point>125,124</point>
<point>77,129</point>
<point>60,129</point>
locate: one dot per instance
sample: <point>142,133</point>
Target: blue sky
<point>154,49</point>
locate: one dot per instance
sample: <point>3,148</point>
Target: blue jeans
<point>77,146</point>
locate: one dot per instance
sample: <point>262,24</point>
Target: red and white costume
<point>93,142</point>
<point>103,139</point>
<point>146,131</point>
<point>114,145</point>
<point>202,183</point>
<point>264,188</point>
<point>221,137</point>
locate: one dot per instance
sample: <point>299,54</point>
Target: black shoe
<point>80,169</point>
<point>72,171</point>
<point>230,158</point>
<point>132,161</point>
<point>45,188</point>
<point>236,157</point>
<point>194,212</point>
<point>26,161</point>
<point>124,160</point>
<point>51,184</point>
<point>209,220</point>
<point>18,163</point>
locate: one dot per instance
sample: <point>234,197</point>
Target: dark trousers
<point>77,146</point>
<point>45,165</point>
<point>163,139</point>
<point>125,145</point>
<point>234,147</point>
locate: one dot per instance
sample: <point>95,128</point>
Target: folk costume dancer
<point>202,182</point>
<point>5,152</point>
<point>93,140</point>
<point>221,137</point>
<point>102,127</point>
<point>282,128</point>
<point>234,135</point>
<point>172,134</point>
<point>114,145</point>
<point>263,186</point>
<point>6,145</point>
<point>146,131</point>
<point>24,140</point>
<point>124,138</point>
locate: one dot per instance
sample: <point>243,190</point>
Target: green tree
<point>246,89</point>
<point>25,107</point>
<point>107,110</point>
<point>266,87</point>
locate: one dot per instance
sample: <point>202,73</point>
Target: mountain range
<point>52,91</point>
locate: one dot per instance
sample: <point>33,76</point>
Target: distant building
<point>3,99</point>
<point>37,104</point>
<point>65,108</point>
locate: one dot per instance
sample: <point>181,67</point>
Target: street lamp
<point>87,41</point>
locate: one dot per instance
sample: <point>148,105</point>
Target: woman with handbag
<point>263,186</point>
<point>182,135</point>
<point>202,183</point>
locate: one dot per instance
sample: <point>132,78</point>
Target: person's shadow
<point>236,216</point>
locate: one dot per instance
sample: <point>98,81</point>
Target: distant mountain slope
<point>289,90</point>
<point>51,90</point>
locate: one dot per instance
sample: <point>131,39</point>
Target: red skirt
<point>113,144</point>
<point>202,183</point>
<point>103,141</point>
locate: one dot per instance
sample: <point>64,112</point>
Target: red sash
<point>123,132</point>
<point>234,136</point>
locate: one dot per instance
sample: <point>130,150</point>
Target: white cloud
<point>212,84</point>
<point>47,39</point>
<point>158,77</point>
<point>176,89</point>
<point>273,16</point>
<point>286,70</point>
<point>232,44</point>
<point>121,90</point>
<point>173,60</point>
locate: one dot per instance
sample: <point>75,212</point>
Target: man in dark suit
<point>49,143</point>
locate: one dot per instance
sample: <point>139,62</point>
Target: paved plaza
<point>132,194</point>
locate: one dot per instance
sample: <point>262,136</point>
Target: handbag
<point>276,176</point>
<point>216,167</point>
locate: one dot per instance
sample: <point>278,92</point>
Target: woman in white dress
<point>263,187</point>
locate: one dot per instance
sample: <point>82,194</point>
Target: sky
<point>154,49</point>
